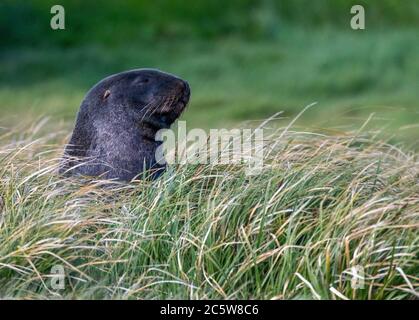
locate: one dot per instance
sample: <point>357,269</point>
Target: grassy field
<point>322,206</point>
<point>339,189</point>
<point>351,75</point>
<point>244,62</point>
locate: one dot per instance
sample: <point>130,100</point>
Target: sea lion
<point>114,135</point>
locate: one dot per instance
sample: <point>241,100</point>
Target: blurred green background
<point>244,59</point>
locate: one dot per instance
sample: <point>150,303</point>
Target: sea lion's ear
<point>106,94</point>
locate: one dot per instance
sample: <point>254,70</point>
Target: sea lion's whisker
<point>168,103</point>
<point>148,104</point>
<point>161,106</point>
<point>151,106</point>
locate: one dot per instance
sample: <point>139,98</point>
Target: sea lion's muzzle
<point>186,94</point>
<point>176,101</point>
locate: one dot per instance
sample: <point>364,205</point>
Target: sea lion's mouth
<point>156,123</point>
<point>175,103</point>
<point>179,106</point>
<point>165,109</point>
<point>182,100</point>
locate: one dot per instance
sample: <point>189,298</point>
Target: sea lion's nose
<point>180,84</point>
<point>186,89</point>
<point>182,87</point>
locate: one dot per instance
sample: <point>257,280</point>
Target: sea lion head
<point>117,124</point>
<point>152,97</point>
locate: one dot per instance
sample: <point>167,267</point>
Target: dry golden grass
<point>322,206</point>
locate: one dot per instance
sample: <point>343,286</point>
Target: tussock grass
<point>322,205</point>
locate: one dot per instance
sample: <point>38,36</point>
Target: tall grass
<point>322,205</point>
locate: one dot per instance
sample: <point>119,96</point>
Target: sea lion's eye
<point>106,94</point>
<point>142,80</point>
